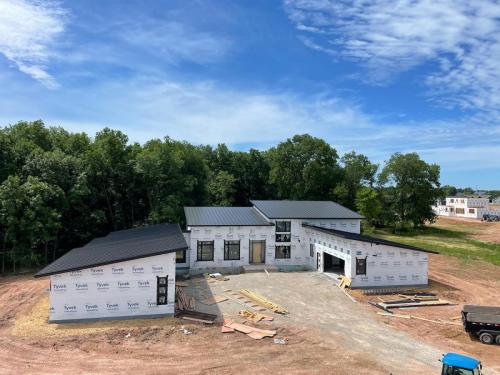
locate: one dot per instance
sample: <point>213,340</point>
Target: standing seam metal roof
<point>224,216</point>
<point>120,246</point>
<point>304,210</point>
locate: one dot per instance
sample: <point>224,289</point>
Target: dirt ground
<point>326,332</point>
<point>461,283</point>
<point>477,229</point>
<point>156,346</point>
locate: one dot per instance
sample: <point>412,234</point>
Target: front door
<point>257,252</point>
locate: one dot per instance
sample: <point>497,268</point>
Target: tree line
<point>60,189</point>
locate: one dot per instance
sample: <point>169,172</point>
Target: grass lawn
<point>448,240</point>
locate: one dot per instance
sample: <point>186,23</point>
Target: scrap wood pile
<point>196,316</point>
<point>230,326</point>
<point>254,316</point>
<point>182,301</point>
<point>409,300</point>
<point>264,302</point>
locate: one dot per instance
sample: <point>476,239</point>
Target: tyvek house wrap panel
<point>119,290</point>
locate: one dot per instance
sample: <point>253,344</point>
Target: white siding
<point>118,290</point>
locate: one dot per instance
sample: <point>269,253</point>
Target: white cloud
<point>28,30</point>
<point>461,37</point>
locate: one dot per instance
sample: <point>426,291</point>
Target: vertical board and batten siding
<point>119,290</point>
<point>385,265</point>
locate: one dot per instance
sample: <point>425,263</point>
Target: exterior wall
<point>386,265</point>
<point>298,249</point>
<point>473,208</point>
<point>220,233</point>
<point>119,290</point>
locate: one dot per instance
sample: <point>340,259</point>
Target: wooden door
<point>257,251</point>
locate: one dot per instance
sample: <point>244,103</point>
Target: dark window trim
<point>288,225</point>
<point>183,259</point>
<point>226,249</point>
<point>360,266</point>
<point>199,250</point>
<point>311,250</point>
<point>161,282</point>
<point>282,257</point>
<point>278,237</point>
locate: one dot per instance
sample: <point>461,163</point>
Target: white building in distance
<point>468,206</point>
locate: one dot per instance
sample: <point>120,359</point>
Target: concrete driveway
<point>318,306</point>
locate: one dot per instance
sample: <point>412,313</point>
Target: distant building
<point>469,206</point>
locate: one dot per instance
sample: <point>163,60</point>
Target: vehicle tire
<point>486,338</point>
<point>497,339</point>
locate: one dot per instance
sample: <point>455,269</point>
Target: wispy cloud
<point>28,31</point>
<point>460,38</point>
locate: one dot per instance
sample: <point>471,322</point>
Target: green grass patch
<point>447,241</point>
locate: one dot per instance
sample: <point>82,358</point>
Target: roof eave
<point>40,274</point>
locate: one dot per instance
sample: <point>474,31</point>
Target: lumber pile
<point>196,316</point>
<point>404,316</point>
<point>254,316</point>
<point>409,300</point>
<point>257,298</point>
<point>182,301</point>
<point>253,332</point>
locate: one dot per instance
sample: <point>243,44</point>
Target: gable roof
<point>304,210</point>
<point>363,238</point>
<point>224,216</point>
<point>120,246</point>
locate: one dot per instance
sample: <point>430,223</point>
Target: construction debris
<point>197,316</point>
<point>254,316</point>
<point>263,301</point>
<point>345,282</point>
<point>253,332</point>
<point>409,301</point>
<point>181,283</point>
<point>280,340</point>
<point>212,300</point>
<point>403,316</point>
<point>218,276</point>
<point>182,301</point>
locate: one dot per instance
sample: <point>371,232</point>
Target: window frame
<point>199,250</point>
<point>279,237</point>
<point>287,223</point>
<point>161,290</point>
<point>227,252</point>
<point>311,250</point>
<point>181,260</point>
<point>360,268</point>
<point>282,257</point>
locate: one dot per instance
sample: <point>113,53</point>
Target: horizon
<point>251,76</point>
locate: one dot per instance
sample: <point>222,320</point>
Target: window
<point>283,237</point>
<point>205,250</point>
<point>231,250</point>
<point>161,290</point>
<point>472,211</point>
<point>311,250</point>
<point>282,252</point>
<point>360,266</point>
<point>460,211</point>
<point>283,226</point>
<point>180,256</point>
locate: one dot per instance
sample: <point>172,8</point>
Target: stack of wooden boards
<point>253,332</point>
<point>182,301</point>
<point>409,300</point>
<point>264,302</point>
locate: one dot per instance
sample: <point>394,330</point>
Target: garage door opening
<point>333,264</point>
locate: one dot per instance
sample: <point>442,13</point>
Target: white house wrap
<point>114,287</point>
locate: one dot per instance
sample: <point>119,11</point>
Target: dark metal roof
<point>224,216</point>
<point>120,246</point>
<point>304,210</point>
<point>363,238</point>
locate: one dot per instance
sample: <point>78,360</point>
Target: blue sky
<point>375,76</point>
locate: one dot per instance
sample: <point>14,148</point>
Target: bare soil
<point>156,346</point>
<point>476,229</point>
<point>460,283</point>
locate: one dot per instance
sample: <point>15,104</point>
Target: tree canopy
<point>60,189</point>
